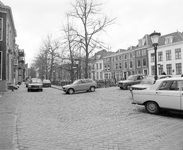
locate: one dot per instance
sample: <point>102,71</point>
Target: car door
<point>81,85</point>
<point>181,89</point>
<point>168,95</point>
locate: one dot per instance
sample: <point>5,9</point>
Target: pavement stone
<point>100,120</point>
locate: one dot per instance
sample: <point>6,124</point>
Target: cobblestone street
<point>101,120</point>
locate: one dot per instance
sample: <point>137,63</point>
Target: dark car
<point>147,82</point>
<point>131,80</point>
<point>80,85</point>
<point>46,83</point>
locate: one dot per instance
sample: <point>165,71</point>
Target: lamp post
<point>154,38</point>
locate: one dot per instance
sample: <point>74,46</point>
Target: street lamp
<point>154,38</point>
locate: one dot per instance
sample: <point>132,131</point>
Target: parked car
<point>147,82</point>
<point>80,85</point>
<point>165,93</point>
<point>35,84</point>
<point>131,80</point>
<point>46,83</point>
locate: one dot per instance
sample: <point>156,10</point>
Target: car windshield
<point>46,81</point>
<point>147,80</point>
<point>76,82</point>
<point>34,80</point>
<point>131,77</point>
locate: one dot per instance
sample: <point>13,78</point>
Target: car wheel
<point>28,90</point>
<point>70,91</point>
<point>92,88</point>
<point>121,88</point>
<point>152,107</point>
<point>128,87</point>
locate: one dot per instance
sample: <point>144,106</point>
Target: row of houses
<point>140,59</point>
<point>12,59</point>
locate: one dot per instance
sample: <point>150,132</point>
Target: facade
<point>7,47</point>
<point>97,71</point>
<point>128,61</point>
<point>141,55</point>
<point>169,55</point>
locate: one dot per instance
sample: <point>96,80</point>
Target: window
<point>160,69</point>
<point>105,68</point>
<point>170,85</point>
<point>1,29</point>
<point>119,57</point>
<point>101,76</point>
<point>108,68</point>
<point>160,56</point>
<point>178,53</point>
<point>138,63</point>
<point>100,65</point>
<point>168,55</point>
<point>131,55</point>
<point>144,62</point>
<point>97,76</point>
<point>125,56</point>
<point>152,57</point>
<point>152,70</point>
<point>178,68</point>
<point>116,58</point>
<point>143,52</point>
<point>165,85</point>
<point>116,66</point>
<point>97,66</point>
<point>138,53</point>
<point>174,86</point>
<point>1,53</point>
<point>131,64</point>
<point>120,65</point>
<point>169,69</point>
<point>168,40</point>
<point>125,64</point>
<point>93,66</point>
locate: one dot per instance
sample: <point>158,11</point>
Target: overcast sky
<point>34,19</point>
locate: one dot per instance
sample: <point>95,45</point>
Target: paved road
<point>101,120</point>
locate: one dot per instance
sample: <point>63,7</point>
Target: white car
<point>35,84</point>
<point>165,93</point>
<point>147,82</point>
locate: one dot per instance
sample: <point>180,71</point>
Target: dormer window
<point>169,40</point>
<point>141,42</point>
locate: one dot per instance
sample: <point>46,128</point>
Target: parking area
<point>100,120</point>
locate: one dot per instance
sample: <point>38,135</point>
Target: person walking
<point>163,73</point>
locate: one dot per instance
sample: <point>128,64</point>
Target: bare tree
<point>47,57</point>
<point>70,43</point>
<point>92,23</point>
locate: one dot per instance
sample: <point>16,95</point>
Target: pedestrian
<point>163,73</point>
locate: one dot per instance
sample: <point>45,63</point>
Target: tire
<point>92,88</point>
<point>70,91</point>
<point>121,88</point>
<point>152,107</point>
<point>28,90</point>
<point>128,87</point>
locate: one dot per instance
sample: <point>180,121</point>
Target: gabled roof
<point>8,10</point>
<point>177,37</point>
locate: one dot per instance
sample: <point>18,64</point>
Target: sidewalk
<point>8,106</point>
<point>57,87</point>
